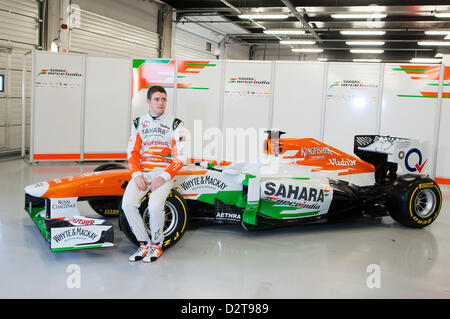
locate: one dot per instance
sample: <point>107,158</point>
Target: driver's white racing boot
<point>142,251</point>
<point>154,253</point>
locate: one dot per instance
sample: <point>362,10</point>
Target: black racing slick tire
<point>415,201</point>
<point>175,222</point>
<point>107,206</point>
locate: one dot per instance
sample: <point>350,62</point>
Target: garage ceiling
<point>403,26</point>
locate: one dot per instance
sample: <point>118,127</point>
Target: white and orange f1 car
<point>300,181</point>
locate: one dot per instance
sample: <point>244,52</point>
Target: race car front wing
<point>70,231</point>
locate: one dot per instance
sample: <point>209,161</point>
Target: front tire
<point>175,222</point>
<point>415,201</point>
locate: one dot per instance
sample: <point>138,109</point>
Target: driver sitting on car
<point>154,156</point>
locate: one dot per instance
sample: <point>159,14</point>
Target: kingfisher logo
<point>418,166</point>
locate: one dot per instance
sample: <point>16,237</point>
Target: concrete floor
<point>317,261</point>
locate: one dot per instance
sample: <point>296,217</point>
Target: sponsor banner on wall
<point>247,85</point>
<point>410,100</point>
<point>426,76</point>
<point>58,88</point>
<point>148,73</point>
<point>352,93</point>
<point>352,90</point>
<point>199,93</point>
<point>59,77</point>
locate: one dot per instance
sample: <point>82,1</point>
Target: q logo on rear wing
<point>411,155</point>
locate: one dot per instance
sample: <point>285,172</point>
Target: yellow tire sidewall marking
<point>437,211</point>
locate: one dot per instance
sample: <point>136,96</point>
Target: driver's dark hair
<point>155,89</point>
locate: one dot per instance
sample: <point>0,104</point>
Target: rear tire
<point>415,201</point>
<point>176,219</point>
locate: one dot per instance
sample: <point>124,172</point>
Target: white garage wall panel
<point>247,105</point>
<point>410,100</point>
<point>298,91</point>
<point>107,108</point>
<point>351,103</point>
<point>199,96</point>
<point>332,100</point>
<point>19,31</point>
<point>443,150</point>
<point>199,92</point>
<point>189,46</point>
<point>99,35</point>
<point>58,88</point>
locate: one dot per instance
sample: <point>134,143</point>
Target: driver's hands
<point>141,182</point>
<point>157,183</point>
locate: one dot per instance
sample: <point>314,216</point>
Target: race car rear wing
<point>393,156</point>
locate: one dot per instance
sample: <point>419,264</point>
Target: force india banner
<point>148,73</point>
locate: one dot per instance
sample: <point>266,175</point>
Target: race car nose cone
<point>37,190</point>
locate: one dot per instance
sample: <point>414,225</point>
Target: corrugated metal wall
<point>191,46</point>
<point>102,36</point>
<point>19,33</point>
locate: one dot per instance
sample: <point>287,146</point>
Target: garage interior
<point>373,258</point>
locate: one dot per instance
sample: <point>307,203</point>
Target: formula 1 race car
<point>299,181</point>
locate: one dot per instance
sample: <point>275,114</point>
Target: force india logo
<point>58,72</point>
<point>352,84</point>
<point>248,80</point>
<point>284,193</point>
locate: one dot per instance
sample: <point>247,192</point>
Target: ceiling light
<point>369,8</point>
<point>359,16</point>
<point>263,16</point>
<point>364,42</point>
<point>283,31</point>
<point>362,32</point>
<point>437,32</point>
<point>366,51</point>
<point>297,42</point>
<point>366,60</point>
<point>442,15</point>
<point>434,43</point>
<point>424,60</point>
<point>308,50</point>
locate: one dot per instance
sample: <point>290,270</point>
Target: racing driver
<point>155,156</point>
